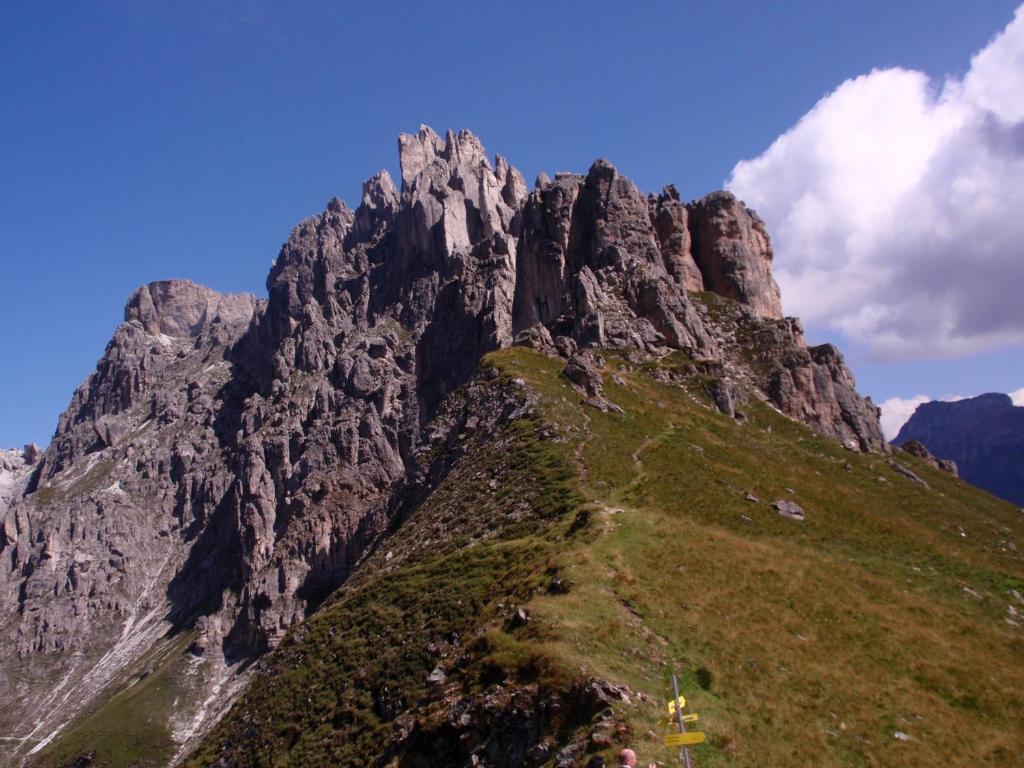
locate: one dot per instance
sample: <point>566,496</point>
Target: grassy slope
<point>131,727</point>
<point>885,610</point>
<point>799,643</point>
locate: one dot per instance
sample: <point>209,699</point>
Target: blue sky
<point>148,140</point>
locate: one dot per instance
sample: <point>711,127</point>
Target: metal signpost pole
<point>679,717</point>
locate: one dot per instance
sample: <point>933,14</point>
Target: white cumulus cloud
<point>1018,397</point>
<point>896,411</point>
<point>896,207</point>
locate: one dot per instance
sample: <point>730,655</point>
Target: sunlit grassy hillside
<point>889,610</point>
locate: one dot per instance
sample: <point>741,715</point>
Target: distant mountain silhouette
<point>984,435</point>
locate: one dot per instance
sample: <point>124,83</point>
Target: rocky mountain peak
<point>180,308</point>
<point>671,225</point>
<point>983,435</point>
<point>379,191</point>
<point>416,151</point>
<point>601,169</point>
<point>451,183</point>
<point>231,461</point>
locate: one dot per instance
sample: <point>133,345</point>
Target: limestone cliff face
<point>589,266</point>
<point>671,224</point>
<point>231,459</point>
<point>135,471</point>
<point>732,251</point>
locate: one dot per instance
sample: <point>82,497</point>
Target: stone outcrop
<point>915,448</point>
<point>589,266</point>
<point>732,251</point>
<point>231,460</point>
<point>813,385</point>
<point>181,309</point>
<point>789,509</point>
<point>810,384</point>
<point>908,473</point>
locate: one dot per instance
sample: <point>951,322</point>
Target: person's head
<point>627,758</point>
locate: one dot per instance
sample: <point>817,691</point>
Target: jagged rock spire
<point>451,183</point>
<point>732,250</point>
<point>416,151</point>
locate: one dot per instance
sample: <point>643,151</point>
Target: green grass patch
<point>130,728</point>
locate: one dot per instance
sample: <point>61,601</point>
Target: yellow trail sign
<point>686,719</point>
<point>683,739</point>
<point>672,705</point>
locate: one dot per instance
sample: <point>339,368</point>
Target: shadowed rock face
<point>984,435</point>
<point>231,459</point>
